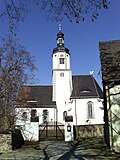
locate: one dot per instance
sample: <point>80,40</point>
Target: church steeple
<point>60,42</point>
<point>61,55</point>
<point>60,37</point>
<point>62,75</point>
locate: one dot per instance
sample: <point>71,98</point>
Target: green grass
<point>96,146</point>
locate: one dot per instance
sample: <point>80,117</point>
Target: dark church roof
<point>61,49</point>
<point>38,96</point>
<point>85,86</point>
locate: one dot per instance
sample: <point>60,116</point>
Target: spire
<point>60,37</point>
<point>60,41</point>
<point>60,27</point>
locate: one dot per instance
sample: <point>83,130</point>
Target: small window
<point>24,116</point>
<point>60,40</point>
<point>61,74</point>
<point>90,110</point>
<point>64,114</point>
<point>62,60</point>
<point>45,116</point>
<point>34,117</point>
<point>33,113</point>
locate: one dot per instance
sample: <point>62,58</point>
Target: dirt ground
<point>84,149</point>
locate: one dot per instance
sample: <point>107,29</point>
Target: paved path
<point>82,150</point>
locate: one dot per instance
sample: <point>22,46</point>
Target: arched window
<point>45,115</point>
<point>90,110</point>
<point>34,117</point>
<point>64,114</point>
<point>33,113</point>
<point>24,115</point>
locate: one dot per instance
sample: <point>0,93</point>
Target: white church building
<point>78,96</point>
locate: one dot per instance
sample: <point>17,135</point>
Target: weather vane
<point>60,27</point>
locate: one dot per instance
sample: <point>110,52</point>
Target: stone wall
<point>84,131</point>
<point>5,142</point>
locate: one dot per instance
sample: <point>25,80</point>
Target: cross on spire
<point>60,27</point>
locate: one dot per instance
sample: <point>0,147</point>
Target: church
<point>76,96</point>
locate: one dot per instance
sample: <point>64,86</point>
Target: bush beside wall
<point>5,142</point>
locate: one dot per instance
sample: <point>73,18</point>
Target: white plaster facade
<point>62,88</point>
<point>62,77</point>
<point>30,130</point>
<point>80,111</point>
<point>62,91</point>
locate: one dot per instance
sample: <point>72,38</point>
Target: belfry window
<point>60,40</point>
<point>90,110</point>
<point>62,60</point>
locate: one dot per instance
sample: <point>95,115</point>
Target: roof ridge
<point>81,75</point>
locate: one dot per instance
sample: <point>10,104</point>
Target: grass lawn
<point>95,147</point>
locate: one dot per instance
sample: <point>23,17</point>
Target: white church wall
<point>56,59</point>
<point>61,108</point>
<point>19,116</point>
<point>30,130</point>
<point>80,112</point>
<point>62,85</point>
<point>20,111</point>
<point>63,91</point>
<point>63,88</point>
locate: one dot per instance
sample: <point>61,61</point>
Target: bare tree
<point>16,66</point>
<point>75,10</point>
<point>12,12</point>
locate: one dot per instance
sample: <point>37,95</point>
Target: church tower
<point>62,76</point>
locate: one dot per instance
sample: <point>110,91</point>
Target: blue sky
<point>39,38</point>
